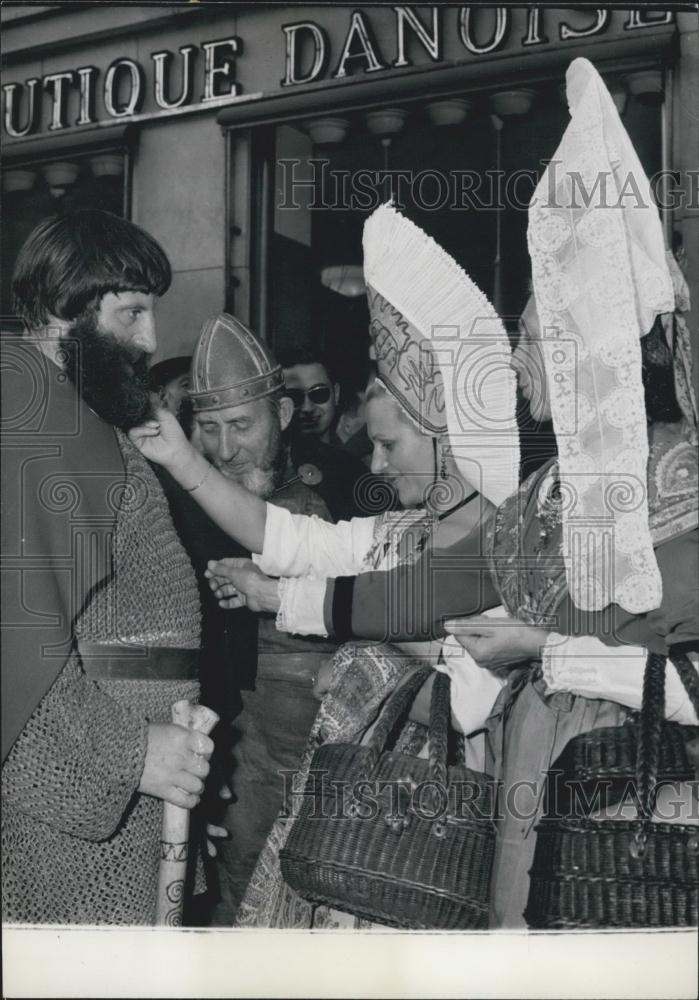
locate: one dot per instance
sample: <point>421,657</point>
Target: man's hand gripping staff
<point>196,721</point>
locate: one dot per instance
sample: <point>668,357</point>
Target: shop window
<point>463,167</point>
<point>38,188</point>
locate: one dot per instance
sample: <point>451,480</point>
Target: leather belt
<point>139,663</point>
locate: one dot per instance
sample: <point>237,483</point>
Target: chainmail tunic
<point>79,844</point>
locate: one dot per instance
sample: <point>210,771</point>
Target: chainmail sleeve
<point>79,760</point>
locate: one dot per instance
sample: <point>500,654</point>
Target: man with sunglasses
<point>345,484</point>
<point>312,391</point>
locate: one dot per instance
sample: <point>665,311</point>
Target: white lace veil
<point>600,277</point>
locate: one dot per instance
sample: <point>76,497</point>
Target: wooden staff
<point>175,835</point>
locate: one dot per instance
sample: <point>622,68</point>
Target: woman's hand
<point>239,513</point>
<point>163,441</point>
<point>240,583</point>
<point>321,681</point>
<point>497,643</point>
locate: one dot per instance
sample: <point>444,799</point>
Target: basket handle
<point>398,704</point>
<point>648,748</point>
<point>396,707</point>
<point>440,712</point>
<point>690,678</point>
<point>649,734</point>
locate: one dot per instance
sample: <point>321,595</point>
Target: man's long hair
<point>68,263</point>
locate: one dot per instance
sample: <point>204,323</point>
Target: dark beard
<point>185,415</point>
<point>112,380</point>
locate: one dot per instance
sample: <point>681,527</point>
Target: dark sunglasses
<point>316,394</point>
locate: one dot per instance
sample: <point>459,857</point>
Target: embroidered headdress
<point>600,278</point>
<point>442,350</point>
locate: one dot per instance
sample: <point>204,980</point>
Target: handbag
<point>599,872</point>
<point>396,839</point>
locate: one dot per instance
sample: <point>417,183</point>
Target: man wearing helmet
<point>241,412</point>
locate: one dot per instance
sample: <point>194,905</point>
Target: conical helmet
<point>230,366</point>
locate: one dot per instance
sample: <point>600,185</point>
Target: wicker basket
<point>585,875</point>
<point>408,856</point>
<point>621,873</point>
<point>596,769</point>
<point>612,753</point>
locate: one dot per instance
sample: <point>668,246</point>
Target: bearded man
<point>100,609</point>
<point>241,414</point>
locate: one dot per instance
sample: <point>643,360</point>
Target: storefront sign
<point>202,76</point>
<point>123,92</point>
<point>480,30</point>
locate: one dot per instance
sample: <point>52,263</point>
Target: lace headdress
<point>600,278</point>
<point>442,350</point>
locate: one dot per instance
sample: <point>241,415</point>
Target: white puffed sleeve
<point>301,608</point>
<point>584,665</point>
<point>299,545</point>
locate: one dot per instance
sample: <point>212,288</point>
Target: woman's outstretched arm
<point>412,601</point>
<point>288,544</point>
